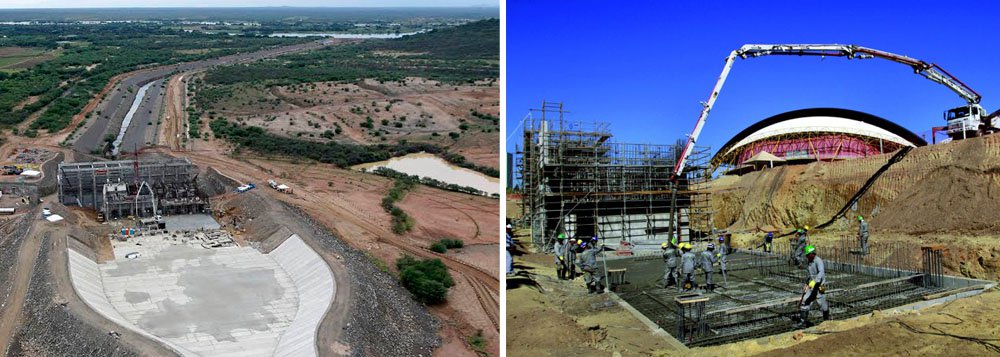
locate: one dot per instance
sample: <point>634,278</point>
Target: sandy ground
<point>172,133</point>
<point>413,110</point>
<point>549,317</point>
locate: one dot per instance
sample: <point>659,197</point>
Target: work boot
<point>826,315</point>
<point>803,320</point>
<point>590,289</point>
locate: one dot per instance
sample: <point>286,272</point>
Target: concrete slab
<point>220,301</point>
<point>190,222</point>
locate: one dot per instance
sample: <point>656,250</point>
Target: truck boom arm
<point>930,71</point>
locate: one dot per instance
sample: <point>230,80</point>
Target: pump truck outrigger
<point>965,121</point>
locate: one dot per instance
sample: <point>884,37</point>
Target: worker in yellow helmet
<point>687,267</point>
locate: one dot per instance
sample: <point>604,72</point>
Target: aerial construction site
<point>170,214</point>
<point>791,195</point>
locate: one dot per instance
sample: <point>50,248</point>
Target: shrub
<point>439,247</point>
<point>428,280</point>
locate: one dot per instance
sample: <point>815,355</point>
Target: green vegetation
<point>428,280</point>
<point>443,245</point>
<point>478,342</point>
<point>62,85</point>
<point>465,53</point>
<point>401,222</point>
<point>342,155</point>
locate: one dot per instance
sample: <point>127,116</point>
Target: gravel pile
<point>11,236</point>
<point>49,329</point>
<point>384,319</point>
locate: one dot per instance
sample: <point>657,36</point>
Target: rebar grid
<point>763,291</point>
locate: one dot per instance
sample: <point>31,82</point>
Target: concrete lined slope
<point>316,286</point>
<point>86,278</point>
<point>224,301</point>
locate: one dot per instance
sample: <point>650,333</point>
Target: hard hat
<point>770,234</point>
<point>686,246</point>
<point>711,246</point>
<point>561,236</point>
<point>806,228</point>
<point>594,238</point>
<point>579,241</point>
<point>722,239</point>
<point>583,244</point>
<point>509,226</point>
<point>663,245</point>
<point>810,249</point>
<point>860,218</point>
<point>800,231</point>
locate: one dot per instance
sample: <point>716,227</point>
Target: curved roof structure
<point>816,121</point>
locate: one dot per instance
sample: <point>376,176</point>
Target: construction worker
<point>863,234</point>
<point>587,260</point>
<point>768,238</point>
<point>708,258</point>
<point>814,289</point>
<point>561,249</point>
<point>670,257</point>
<point>510,259</point>
<point>722,253</point>
<point>800,248</point>
<point>687,267</point>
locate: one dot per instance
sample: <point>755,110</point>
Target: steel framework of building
<point>112,188</point>
<point>576,181</point>
<point>808,147</point>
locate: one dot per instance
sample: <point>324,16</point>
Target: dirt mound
<point>212,183</point>
<point>949,198</point>
<point>947,187</point>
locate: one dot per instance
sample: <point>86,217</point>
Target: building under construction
<point>117,189</point>
<point>577,181</point>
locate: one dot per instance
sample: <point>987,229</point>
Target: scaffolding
<point>119,189</point>
<point>577,181</point>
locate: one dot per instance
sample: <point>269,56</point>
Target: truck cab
<point>964,121</point>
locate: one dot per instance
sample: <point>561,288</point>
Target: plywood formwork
<point>576,181</point>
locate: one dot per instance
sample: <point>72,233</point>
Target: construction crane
<point>968,120</point>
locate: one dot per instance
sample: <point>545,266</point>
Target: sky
<point>35,4</point>
<point>645,68</point>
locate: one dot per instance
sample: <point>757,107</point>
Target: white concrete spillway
<point>231,301</point>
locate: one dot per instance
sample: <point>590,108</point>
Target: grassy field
<point>19,58</point>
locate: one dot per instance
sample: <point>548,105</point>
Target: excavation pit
<point>760,294</point>
<point>200,298</point>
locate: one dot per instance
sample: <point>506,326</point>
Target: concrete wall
<point>314,281</point>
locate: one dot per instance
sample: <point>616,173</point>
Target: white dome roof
<point>825,124</point>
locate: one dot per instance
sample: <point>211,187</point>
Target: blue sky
<point>645,68</point>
